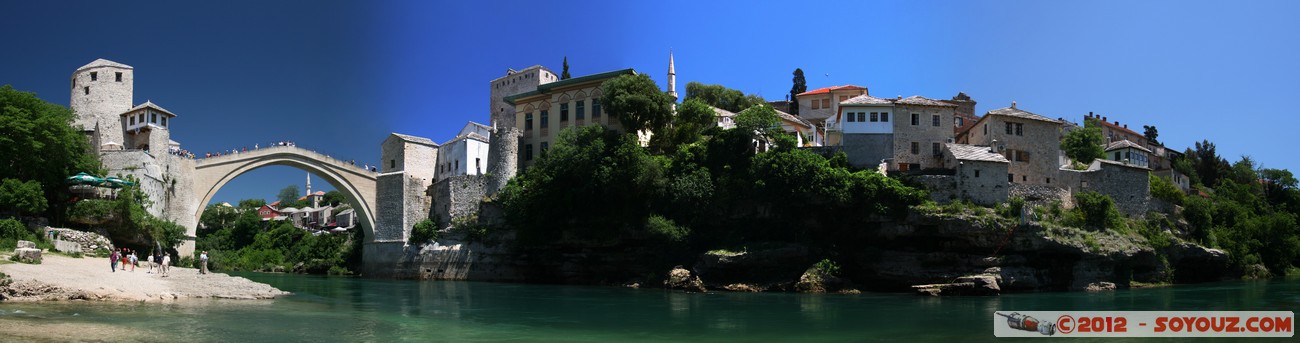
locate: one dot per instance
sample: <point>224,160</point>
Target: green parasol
<point>84,179</point>
<point>114,182</point>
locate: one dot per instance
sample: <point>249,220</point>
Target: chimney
<point>1125,126</point>
<point>1013,104</point>
<point>1104,119</point>
<point>994,147</point>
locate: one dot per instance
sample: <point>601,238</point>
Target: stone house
<point>466,154</point>
<point>979,173</point>
<point>921,127</point>
<point>1030,142</point>
<point>864,129</point>
<point>1127,152</point>
<point>1128,185</point>
<point>541,114</point>
<point>818,104</point>
<point>514,82</point>
<point>964,116</point>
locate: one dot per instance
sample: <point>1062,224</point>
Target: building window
<point>816,104</point>
<point>528,152</point>
<point>934,147</point>
<point>957,121</point>
<point>1049,180</point>
<point>132,120</point>
<point>875,117</point>
<point>94,76</point>
<point>844,97</point>
<point>826,103</point>
<point>1117,156</point>
<point>1024,178</point>
<point>528,121</point>
<point>1011,128</point>
<point>164,121</point>
<point>977,173</point>
<point>564,112</point>
<point>934,120</point>
<point>545,119</point>
<point>545,146</point>
<point>916,148</point>
<point>1020,129</point>
<point>916,119</point>
<point>457,167</point>
<point>581,110</point>
<point>478,169</point>
<point>986,129</point>
<point>1011,177</point>
<point>392,164</point>
<point>119,76</point>
<point>153,118</point>
<point>141,118</point>
<point>884,117</point>
<point>86,89</point>
<point>595,108</point>
<point>853,116</point>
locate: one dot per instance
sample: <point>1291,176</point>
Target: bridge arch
<point>356,183</point>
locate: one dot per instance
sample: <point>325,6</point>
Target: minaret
<point>314,201</point>
<point>672,80</point>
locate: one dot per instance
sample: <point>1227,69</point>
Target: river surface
<point>356,309</point>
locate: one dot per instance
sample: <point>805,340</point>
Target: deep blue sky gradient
<point>338,76</point>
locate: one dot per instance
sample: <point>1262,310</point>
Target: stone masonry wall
<point>989,188</point>
<point>1129,186</point>
<point>867,150</point>
<point>456,197</point>
<point>1041,139</point>
<point>401,201</point>
<point>925,134</point>
<point>503,158</point>
<point>102,101</point>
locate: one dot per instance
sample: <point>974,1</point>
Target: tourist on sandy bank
<point>112,260</point>
<point>149,260</point>
<point>203,263</point>
<point>135,261</point>
<point>166,264</point>
<point>157,260</point>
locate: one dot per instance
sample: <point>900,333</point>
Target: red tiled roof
<point>829,89</point>
<point>1112,126</point>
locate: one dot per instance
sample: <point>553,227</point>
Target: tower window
<point>392,164</point>
<point>164,121</point>
<point>86,89</point>
<point>94,76</point>
<point>119,76</point>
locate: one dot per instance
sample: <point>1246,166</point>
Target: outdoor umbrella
<point>84,179</point>
<point>114,182</point>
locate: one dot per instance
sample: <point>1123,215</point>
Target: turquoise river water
<point>356,309</point>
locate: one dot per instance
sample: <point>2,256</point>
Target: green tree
<point>217,217</point>
<point>800,86</point>
<point>761,120</point>
<point>564,75</point>
<point>722,97</point>
<point>39,145</point>
<point>1209,167</point>
<point>22,197</point>
<point>334,198</point>
<point>1150,132</point>
<point>692,118</point>
<point>288,195</point>
<point>637,102</point>
<point>251,204</point>
<point>1083,145</point>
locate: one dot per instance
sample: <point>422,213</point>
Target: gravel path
<point>66,278</point>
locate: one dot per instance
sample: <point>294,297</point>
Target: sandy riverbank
<point>60,278</point>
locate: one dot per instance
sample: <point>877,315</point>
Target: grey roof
<point>103,63</point>
<point>923,101</point>
<point>867,100</point>
<point>722,113</point>
<point>793,118</point>
<point>1125,144</point>
<point>414,139</point>
<point>968,152</point>
<point>1015,112</point>
<point>471,135</point>
<point>148,104</point>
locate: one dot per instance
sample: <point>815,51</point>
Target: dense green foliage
<point>637,102</point>
<point>1084,145</point>
<point>12,231</point>
<point>422,232</point>
<point>1150,132</point>
<point>800,86</point>
<point>1163,189</point>
<point>23,198</point>
<point>127,220</point>
<point>288,195</point>
<point>722,97</point>
<point>1099,211</point>
<point>564,74</point>
<point>236,238</point>
<point>39,145</point>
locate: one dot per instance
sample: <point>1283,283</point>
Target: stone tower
<point>101,91</point>
<point>503,158</point>
<point>514,83</point>
<point>406,171</point>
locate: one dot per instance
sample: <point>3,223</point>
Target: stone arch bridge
<point>357,183</point>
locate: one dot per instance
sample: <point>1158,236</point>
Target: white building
<point>467,154</point>
<point>1129,153</point>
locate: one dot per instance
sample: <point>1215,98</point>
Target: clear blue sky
<point>338,76</point>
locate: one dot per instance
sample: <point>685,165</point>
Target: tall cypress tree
<point>800,86</point>
<point>564,75</point>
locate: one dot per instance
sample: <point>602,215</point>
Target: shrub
<point>1098,211</point>
<point>12,231</point>
<point>423,231</point>
<point>827,267</point>
<point>666,229</point>
<point>1163,189</point>
<point>1012,208</point>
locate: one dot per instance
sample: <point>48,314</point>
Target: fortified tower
<point>515,83</point>
<point>503,158</point>
<point>101,91</point>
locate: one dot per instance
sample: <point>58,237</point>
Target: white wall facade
<point>882,114</point>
